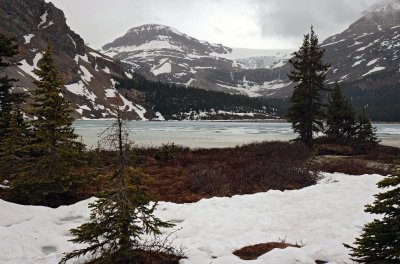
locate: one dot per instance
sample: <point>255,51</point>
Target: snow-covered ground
<point>322,217</point>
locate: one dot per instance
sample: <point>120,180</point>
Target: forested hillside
<point>181,102</point>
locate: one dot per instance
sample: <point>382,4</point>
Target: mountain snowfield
<point>322,217</point>
<point>365,56</point>
<point>163,53</point>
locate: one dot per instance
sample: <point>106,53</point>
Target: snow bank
<point>322,216</point>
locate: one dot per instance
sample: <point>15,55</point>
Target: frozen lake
<point>209,134</point>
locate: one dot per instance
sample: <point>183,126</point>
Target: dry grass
<point>352,165</point>
<point>254,251</point>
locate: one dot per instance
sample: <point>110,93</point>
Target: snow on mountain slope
<point>320,216</point>
<point>370,45</point>
<point>165,54</point>
<point>365,56</point>
<point>85,72</point>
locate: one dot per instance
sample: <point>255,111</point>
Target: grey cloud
<point>290,19</point>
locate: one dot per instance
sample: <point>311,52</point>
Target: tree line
<point>172,99</point>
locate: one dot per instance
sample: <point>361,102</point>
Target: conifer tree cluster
<point>36,156</point>
<point>380,240</point>
<point>309,114</point>
<point>341,121</point>
<point>12,127</point>
<point>340,116</point>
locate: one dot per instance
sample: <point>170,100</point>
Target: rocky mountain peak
<point>159,37</point>
<point>88,75</point>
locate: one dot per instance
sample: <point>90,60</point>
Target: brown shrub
<point>249,169</point>
<point>254,251</point>
<point>354,167</point>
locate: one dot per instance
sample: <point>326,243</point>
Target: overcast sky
<point>258,24</point>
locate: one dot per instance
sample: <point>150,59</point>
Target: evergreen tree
<point>13,150</point>
<point>380,241</point>
<point>365,132</point>
<point>8,49</point>
<point>122,215</point>
<point>53,147</point>
<point>340,116</point>
<point>12,126</point>
<point>306,112</point>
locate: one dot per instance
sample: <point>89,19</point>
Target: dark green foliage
<point>13,150</point>
<point>122,215</point>
<point>380,241</point>
<point>365,132</point>
<point>172,100</point>
<point>8,49</point>
<point>167,152</point>
<point>12,126</point>
<point>306,112</point>
<point>340,116</point>
<point>53,149</point>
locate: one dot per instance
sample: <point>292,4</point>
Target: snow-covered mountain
<point>88,75</point>
<point>163,53</point>
<point>368,48</point>
<point>365,56</point>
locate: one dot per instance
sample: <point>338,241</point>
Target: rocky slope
<point>88,75</point>
<point>163,53</point>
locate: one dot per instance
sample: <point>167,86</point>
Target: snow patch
<point>372,62</point>
<point>72,40</point>
<point>374,70</point>
<point>159,117</point>
<point>206,230</point>
<point>111,92</point>
<point>48,25</point>
<point>29,69</point>
<point>80,89</point>
<point>43,19</point>
<point>164,67</point>
<point>87,76</point>
<point>28,38</point>
<point>357,63</point>
<point>140,110</point>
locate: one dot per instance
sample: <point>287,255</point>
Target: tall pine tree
<point>306,112</point>
<point>380,241</point>
<point>340,116</point>
<point>53,147</point>
<point>122,215</point>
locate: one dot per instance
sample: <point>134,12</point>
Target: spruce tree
<point>122,215</point>
<point>340,116</point>
<point>12,126</point>
<point>53,147</point>
<point>365,132</point>
<point>13,148</point>
<point>8,49</point>
<point>306,112</point>
<point>380,240</point>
